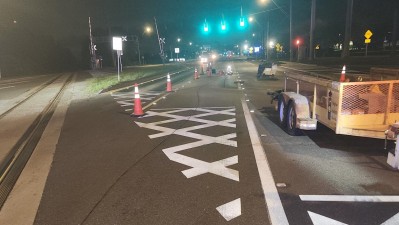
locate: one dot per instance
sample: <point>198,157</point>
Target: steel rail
<point>19,156</point>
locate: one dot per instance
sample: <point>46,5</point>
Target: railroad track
<point>16,159</point>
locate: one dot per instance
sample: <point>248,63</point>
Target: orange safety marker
<point>138,110</point>
<point>342,78</point>
<point>209,73</point>
<point>168,84</point>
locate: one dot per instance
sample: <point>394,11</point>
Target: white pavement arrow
<point>322,220</point>
<point>392,221</point>
<point>230,210</point>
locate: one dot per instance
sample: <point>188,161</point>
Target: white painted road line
<point>349,198</point>
<point>6,87</point>
<point>275,207</point>
<point>10,83</point>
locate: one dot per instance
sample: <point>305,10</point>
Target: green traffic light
<point>242,23</point>
<point>223,25</point>
<point>206,28</point>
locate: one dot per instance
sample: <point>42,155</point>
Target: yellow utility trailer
<point>364,109</point>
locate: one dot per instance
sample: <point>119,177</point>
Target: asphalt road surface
<point>210,152</point>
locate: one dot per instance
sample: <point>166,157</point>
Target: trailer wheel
<point>281,109</point>
<point>291,120</point>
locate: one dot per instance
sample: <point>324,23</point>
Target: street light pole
<point>138,48</point>
<point>291,52</point>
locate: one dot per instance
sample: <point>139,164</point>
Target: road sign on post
<point>117,45</point>
<point>367,35</point>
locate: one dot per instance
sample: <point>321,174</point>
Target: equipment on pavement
<point>229,71</point>
<point>364,109</point>
<point>267,70</point>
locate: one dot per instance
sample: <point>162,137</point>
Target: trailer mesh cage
<point>370,98</point>
<point>357,97</point>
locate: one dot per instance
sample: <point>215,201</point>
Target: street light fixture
<point>178,39</point>
<point>263,2</point>
<point>271,44</point>
<point>148,29</point>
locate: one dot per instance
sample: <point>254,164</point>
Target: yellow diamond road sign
<point>368,34</point>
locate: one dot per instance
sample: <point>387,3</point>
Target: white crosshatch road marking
<point>198,167</point>
<point>126,99</point>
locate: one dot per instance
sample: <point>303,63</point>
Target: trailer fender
<point>301,104</point>
<point>302,110</point>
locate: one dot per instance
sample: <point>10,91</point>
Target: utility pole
<point>138,48</point>
<point>291,52</point>
<point>395,30</point>
<point>267,36</point>
<point>348,29</point>
<point>92,49</point>
<point>312,28</point>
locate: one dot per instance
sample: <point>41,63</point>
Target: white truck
<point>364,109</point>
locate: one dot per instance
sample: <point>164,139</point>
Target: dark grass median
<point>104,81</point>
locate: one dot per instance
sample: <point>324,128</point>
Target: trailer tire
<point>282,111</point>
<point>291,120</point>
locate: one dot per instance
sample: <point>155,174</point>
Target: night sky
<point>24,24</point>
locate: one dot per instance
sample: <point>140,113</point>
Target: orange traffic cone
<point>209,73</point>
<point>138,110</point>
<point>342,78</point>
<point>168,84</point>
<point>195,73</point>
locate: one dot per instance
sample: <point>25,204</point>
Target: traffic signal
<point>206,27</point>
<point>223,25</point>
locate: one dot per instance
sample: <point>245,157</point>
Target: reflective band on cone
<point>342,78</point>
<point>168,84</point>
<point>138,110</point>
